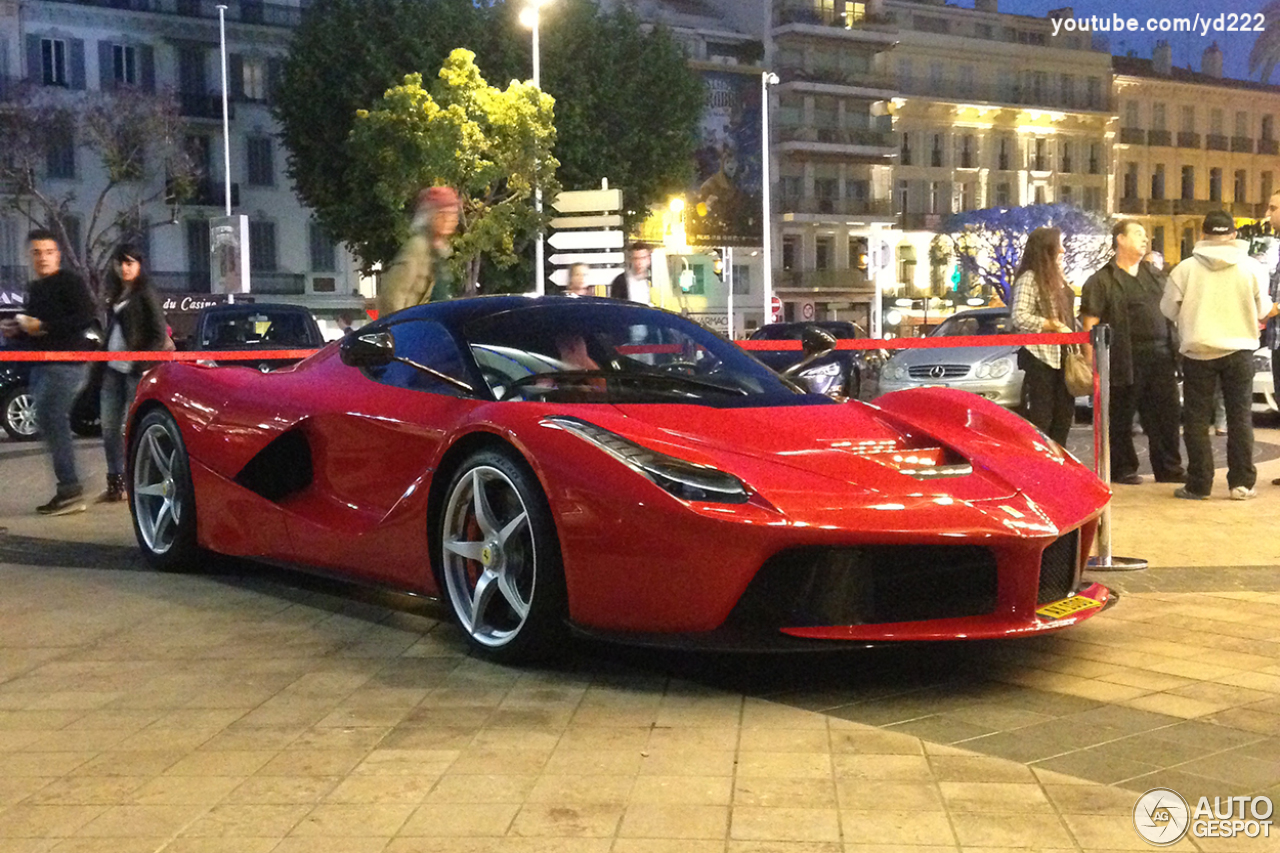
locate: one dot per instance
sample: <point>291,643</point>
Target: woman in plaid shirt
<point>1044,302</point>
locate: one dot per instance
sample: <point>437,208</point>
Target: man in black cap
<point>1216,298</point>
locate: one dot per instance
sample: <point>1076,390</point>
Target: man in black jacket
<point>633,283</point>
<point>58,316</point>
<point>1125,294</point>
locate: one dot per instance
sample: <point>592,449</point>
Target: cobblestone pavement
<point>255,709</point>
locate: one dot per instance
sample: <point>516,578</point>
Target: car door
<point>374,443</point>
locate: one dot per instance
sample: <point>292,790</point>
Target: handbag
<point>1076,371</point>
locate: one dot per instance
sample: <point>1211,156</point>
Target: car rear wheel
<point>500,560</point>
<point>19,412</point>
<point>161,495</point>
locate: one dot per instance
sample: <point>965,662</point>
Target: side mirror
<point>368,349</point>
<point>816,341</point>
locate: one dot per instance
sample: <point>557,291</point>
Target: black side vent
<point>868,585</point>
<point>280,469</point>
<point>1058,568</point>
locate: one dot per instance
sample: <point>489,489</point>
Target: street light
<point>767,79</point>
<point>529,18</point>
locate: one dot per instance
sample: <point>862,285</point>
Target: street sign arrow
<point>570,240</point>
<point>605,220</point>
<point>596,276</point>
<point>588,201</point>
<point>588,258</point>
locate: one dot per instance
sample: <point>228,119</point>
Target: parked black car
<point>837,374</point>
<point>257,326</point>
<point>18,406</point>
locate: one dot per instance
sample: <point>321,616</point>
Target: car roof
<point>455,313</point>
<point>256,308</point>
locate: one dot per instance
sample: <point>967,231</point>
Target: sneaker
<point>62,505</point>
<point>1189,496</point>
<point>1134,479</point>
<point>1243,493</point>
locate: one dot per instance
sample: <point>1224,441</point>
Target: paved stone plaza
<point>254,709</point>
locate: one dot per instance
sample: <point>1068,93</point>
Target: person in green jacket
<point>419,273</point>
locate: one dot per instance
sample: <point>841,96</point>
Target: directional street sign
<point>570,240</point>
<point>588,201</point>
<point>595,276</point>
<point>607,220</point>
<point>610,258</point>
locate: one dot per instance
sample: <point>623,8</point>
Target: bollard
<point>1105,561</point>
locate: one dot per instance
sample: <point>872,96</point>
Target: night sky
<point>1186,47</point>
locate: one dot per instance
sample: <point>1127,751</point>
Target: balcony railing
<point>1132,136</point>
<point>822,280</point>
<point>278,283</point>
<point>1268,146</point>
<point>957,90</point>
<point>209,193</point>
<point>1187,139</point>
<point>920,221</point>
<point>806,12</point>
<point>838,77</point>
<point>836,206</point>
<point>1195,206</point>
<point>1132,205</point>
<point>1246,209</point>
<point>1159,137</point>
<point>203,105</point>
<point>1216,142</point>
<point>242,11</point>
<point>1159,206</point>
<point>1242,144</point>
<point>837,136</point>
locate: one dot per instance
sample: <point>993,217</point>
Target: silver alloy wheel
<point>20,414</point>
<point>489,556</point>
<point>156,501</point>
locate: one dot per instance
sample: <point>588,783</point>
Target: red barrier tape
<point>278,355</point>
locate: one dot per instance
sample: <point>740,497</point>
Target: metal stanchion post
<point>1105,561</point>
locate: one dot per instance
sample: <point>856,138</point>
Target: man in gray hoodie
<point>1216,298</point>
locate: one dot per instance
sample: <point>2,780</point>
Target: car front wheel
<point>19,412</point>
<point>161,496</point>
<point>500,560</point>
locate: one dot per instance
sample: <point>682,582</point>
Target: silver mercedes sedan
<point>990,372</point>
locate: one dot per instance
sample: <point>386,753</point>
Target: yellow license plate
<point>1067,606</point>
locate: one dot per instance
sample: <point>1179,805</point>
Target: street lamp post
<point>767,79</point>
<point>226,120</point>
<point>530,18</point>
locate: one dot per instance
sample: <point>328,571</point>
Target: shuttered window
<point>262,246</point>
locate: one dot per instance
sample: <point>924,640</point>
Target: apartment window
<point>965,79</point>
<point>1188,241</point>
<point>1157,116</point>
<point>71,224</point>
<point>1006,85</point>
<point>1064,194</point>
<point>1093,198</point>
<point>1067,150</point>
<point>968,196</point>
<point>255,78</point>
<point>904,72</point>
<point>935,76</point>
<point>1130,180</point>
<point>792,186</point>
<point>1131,121</point>
<point>1002,159</point>
<point>60,154</point>
<point>1188,124</point>
<point>1095,93</point>
<point>53,62</point>
<point>1040,159</point>
<point>124,64</point>
<point>936,197</point>
<point>324,250</point>
<point>904,157</point>
<point>1157,182</point>
<point>1188,182</point>
<point>827,191</point>
<point>825,251</point>
<point>790,251</point>
<point>904,195</point>
<point>935,156</point>
<point>966,151</point>
<point>741,280</point>
<point>1068,90</point>
<point>1241,189</point>
<point>262,246</point>
<point>1039,194</point>
<point>1215,121</point>
<point>858,191</point>
<point>1003,195</point>
<point>1215,184</point>
<point>1242,123</point>
<point>1095,158</point>
<point>1157,239</point>
<point>262,171</point>
<point>1266,187</point>
<point>1268,127</point>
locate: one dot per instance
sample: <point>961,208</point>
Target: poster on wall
<point>724,204</point>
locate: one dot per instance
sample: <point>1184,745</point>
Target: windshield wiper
<point>616,376</point>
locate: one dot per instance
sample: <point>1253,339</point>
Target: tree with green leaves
<point>492,146</point>
<point>134,140</point>
<point>603,69</point>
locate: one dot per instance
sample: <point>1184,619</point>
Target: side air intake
<point>280,469</point>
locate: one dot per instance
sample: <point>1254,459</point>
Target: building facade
<point>173,46</point>
<point>1187,142</point>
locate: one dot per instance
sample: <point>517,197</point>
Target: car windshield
<point>963,325</point>
<point>617,353</point>
<point>263,329</point>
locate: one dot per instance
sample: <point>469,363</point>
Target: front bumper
<point>1003,392</point>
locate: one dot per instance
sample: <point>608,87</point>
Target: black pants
<point>1047,402</point>
<point>1154,395</point>
<point>1199,378</point>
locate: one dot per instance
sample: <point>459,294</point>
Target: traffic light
<point>858,253</point>
<point>717,263</point>
<point>955,277</point>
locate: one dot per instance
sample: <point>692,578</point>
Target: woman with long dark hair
<point>135,322</point>
<point>1044,302</point>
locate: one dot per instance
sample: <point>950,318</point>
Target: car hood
<point>836,446</point>
<point>958,355</point>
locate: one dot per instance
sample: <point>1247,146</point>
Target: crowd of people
<point>1202,318</point>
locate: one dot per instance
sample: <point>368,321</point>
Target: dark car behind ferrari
<point>18,404</point>
<point>839,373</point>
<point>258,326</point>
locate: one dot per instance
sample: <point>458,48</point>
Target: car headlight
<point>894,372</point>
<point>832,369</point>
<point>997,369</point>
<point>822,379</point>
<point>685,480</point>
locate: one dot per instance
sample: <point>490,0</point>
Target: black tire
<point>523,567</point>
<point>157,436</point>
<point>17,414</point>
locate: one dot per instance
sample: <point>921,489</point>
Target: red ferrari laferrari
<point>556,464</point>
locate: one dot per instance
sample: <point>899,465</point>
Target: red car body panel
<point>636,558</point>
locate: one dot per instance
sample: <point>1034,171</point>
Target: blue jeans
<point>55,388</point>
<point>118,391</point>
